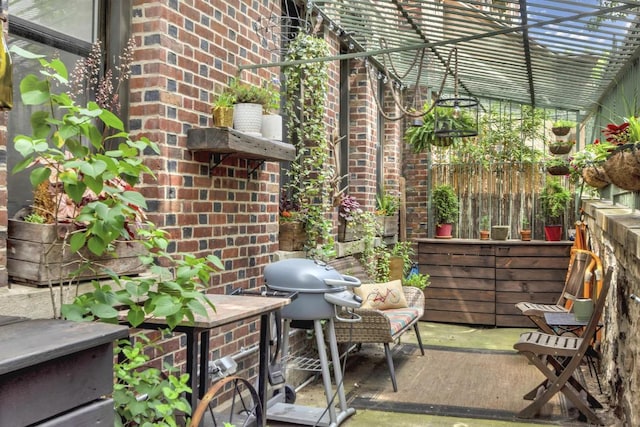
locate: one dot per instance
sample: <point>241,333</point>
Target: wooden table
<point>229,309</point>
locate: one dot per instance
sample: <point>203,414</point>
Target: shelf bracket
<point>249,173</point>
<point>216,159</point>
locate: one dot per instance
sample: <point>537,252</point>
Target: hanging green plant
<point>306,87</point>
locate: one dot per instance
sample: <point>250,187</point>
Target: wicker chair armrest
<point>373,326</point>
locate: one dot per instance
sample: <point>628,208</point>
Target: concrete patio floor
<point>433,334</point>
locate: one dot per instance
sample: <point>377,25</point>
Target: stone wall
<point>614,234</point>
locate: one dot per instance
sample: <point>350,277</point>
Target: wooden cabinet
<point>479,281</point>
<point>56,373</point>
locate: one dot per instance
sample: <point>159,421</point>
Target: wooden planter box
<point>36,256</point>
<point>388,225</point>
<point>291,236</point>
<point>349,232</point>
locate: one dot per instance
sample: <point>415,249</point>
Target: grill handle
<point>353,319</point>
<point>346,281</point>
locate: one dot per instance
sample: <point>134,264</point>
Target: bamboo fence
<point>505,192</point>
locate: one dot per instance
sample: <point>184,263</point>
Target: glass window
<point>38,27</point>
<point>77,19</point>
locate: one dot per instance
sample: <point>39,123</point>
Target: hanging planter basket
<point>595,176</point>
<point>558,170</point>
<point>560,147</point>
<point>561,131</point>
<point>623,167</point>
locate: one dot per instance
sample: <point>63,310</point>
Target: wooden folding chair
<point>558,358</point>
<point>582,265</point>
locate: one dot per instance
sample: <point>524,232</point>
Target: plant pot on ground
<point>446,209</point>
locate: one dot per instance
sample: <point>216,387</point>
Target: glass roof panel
<point>552,54</point>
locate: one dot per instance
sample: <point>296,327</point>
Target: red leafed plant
<point>617,134</point>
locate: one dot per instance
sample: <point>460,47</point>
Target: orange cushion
<point>382,296</point>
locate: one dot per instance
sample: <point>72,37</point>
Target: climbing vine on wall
<point>306,87</point>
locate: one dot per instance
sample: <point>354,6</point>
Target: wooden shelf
<point>229,141</point>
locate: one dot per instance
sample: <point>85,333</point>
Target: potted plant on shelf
<point>271,119</point>
<point>484,227</point>
<point>557,166</point>
<point>446,210</point>
<point>349,211</point>
<point>562,127</point>
<point>222,110</point>
<point>249,104</point>
<point>499,232</point>
<point>554,200</point>
<point>387,207</point>
<point>525,229</point>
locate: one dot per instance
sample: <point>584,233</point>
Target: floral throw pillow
<point>382,296</point>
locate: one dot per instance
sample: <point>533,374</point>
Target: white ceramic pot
<point>247,118</point>
<point>272,126</point>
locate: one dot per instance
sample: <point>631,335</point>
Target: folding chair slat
<point>558,357</point>
<point>581,266</point>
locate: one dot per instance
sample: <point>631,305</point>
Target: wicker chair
<point>382,326</point>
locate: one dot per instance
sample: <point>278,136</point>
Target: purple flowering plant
<point>349,207</point>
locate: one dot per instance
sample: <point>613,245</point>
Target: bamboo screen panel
<point>503,192</point>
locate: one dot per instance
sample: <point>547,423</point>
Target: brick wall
<point>363,137</point>
<point>614,233</point>
<point>187,52</point>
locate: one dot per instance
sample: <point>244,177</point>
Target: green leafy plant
<point>563,124</point>
<point>420,138</point>
<point>273,102</point>
<point>503,137</point>
<point>35,218</point>
<point>554,200</point>
<point>484,222</point>
<point>98,182</point>
<point>524,223</point>
<point>69,147</point>
<point>417,280</point>
<point>387,204</point>
<point>163,396</point>
<point>445,204</point>
<point>309,185</point>
<point>243,93</point>
<point>405,251</point>
<point>224,100</point>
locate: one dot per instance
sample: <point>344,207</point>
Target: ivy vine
<point>306,87</point>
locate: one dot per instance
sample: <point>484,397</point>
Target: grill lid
<point>306,275</point>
